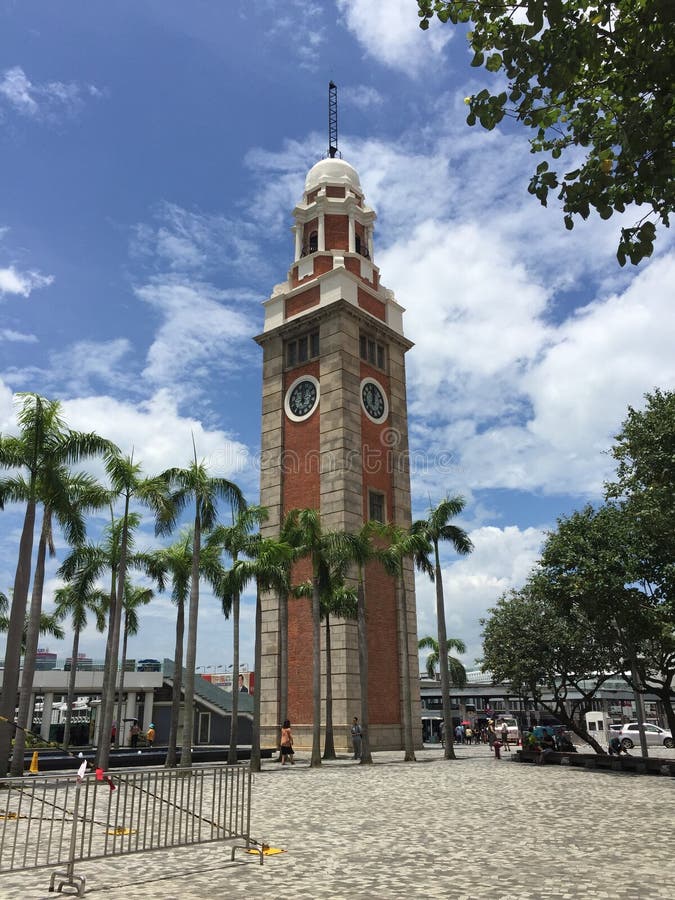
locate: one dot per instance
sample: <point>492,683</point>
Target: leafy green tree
<point>436,528</point>
<point>236,540</point>
<point>594,83</point>
<point>71,603</point>
<point>555,657</point>
<point>455,666</point>
<point>644,451</point>
<point>42,445</point>
<point>193,487</point>
<point>599,562</point>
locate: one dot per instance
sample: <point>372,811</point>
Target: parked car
<point>630,736</point>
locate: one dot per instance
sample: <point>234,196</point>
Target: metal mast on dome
<point>332,121</point>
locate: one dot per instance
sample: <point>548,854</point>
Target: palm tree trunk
<point>17,621</point>
<point>402,608</point>
<point>234,721</point>
<point>71,688</point>
<point>329,741</point>
<point>32,639</point>
<point>257,662</point>
<point>283,657</point>
<point>362,630</point>
<point>170,761</point>
<point>191,655</point>
<point>113,644</point>
<point>443,658</point>
<point>120,701</point>
<point>316,674</point>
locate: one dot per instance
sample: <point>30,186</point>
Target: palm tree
<point>361,551</point>
<point>64,497</point>
<point>176,563</point>
<point>49,623</point>
<point>127,484</point>
<point>313,543</point>
<point>185,486</point>
<point>83,568</point>
<point>69,602</point>
<point>434,529</point>
<point>43,443</point>
<point>456,669</point>
<point>403,545</point>
<point>268,567</point>
<point>235,540</point>
<point>134,598</point>
<point>289,537</point>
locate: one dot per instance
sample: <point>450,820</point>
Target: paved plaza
<point>473,828</point>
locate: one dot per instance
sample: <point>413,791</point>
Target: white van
<point>511,725</point>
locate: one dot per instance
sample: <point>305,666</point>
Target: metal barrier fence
<point>61,820</point>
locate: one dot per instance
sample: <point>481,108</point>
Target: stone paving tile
<point>473,829</point>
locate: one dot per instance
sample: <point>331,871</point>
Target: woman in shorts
<point>286,743</point>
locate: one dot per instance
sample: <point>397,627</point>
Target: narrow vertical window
<point>314,344</point>
<point>376,506</point>
<point>302,349</point>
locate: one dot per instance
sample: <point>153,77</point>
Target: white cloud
<point>197,333</point>
<point>389,31</point>
<point>19,337</point>
<point>361,97</point>
<point>502,559</point>
<point>23,283</point>
<point>158,434</point>
<point>42,100</point>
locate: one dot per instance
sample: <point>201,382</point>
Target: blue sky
<point>151,153</point>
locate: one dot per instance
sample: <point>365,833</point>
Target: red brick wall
<point>334,191</point>
<point>372,305</point>
<point>300,302</point>
<point>337,232</point>
<point>301,488</point>
<point>383,654</point>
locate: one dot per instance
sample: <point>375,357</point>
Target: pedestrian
<point>287,751</point>
<point>357,737</point>
<point>458,734</point>
<point>547,747</point>
<point>491,733</point>
<point>134,731</point>
<point>468,733</point>
<point>113,732</point>
<point>497,746</point>
<point>150,735</point>
<point>615,746</point>
<point>441,732</point>
<point>505,737</point>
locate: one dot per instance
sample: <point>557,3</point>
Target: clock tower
<point>335,439</point>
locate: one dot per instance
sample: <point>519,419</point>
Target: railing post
<point>68,877</point>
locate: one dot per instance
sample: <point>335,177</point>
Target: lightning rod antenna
<point>332,121</point>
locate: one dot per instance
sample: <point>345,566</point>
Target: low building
<point>146,698</point>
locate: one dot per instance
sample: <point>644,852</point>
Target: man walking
<point>356,737</point>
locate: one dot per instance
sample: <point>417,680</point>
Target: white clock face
<point>302,398</point>
<point>374,400</point>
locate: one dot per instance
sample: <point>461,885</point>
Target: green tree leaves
<point>595,77</point>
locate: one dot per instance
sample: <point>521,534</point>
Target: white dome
<point>332,171</point>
